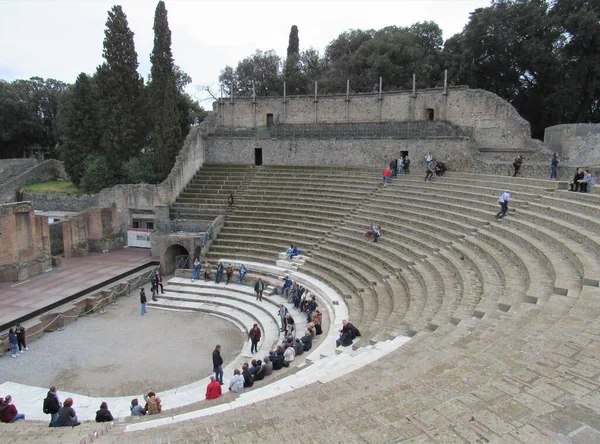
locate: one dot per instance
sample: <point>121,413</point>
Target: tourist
<point>289,251</point>
<point>406,165</point>
<point>143,301</point>
<point>287,285</point>
<point>8,411</point>
<point>259,372</point>
<point>377,233</point>
<point>428,160</point>
<point>282,312</point>
<point>104,415</point>
<point>394,167</point>
<point>229,273</point>
<point>213,389</point>
<point>236,383</point>
<point>247,375</point>
<point>298,347</point>
<point>554,166</point>
<point>306,341</point>
<point>386,176</point>
<point>295,252</point>
<point>230,202</point>
<point>218,364</point>
<point>267,366</point>
<point>242,273</point>
<point>348,333</point>
<point>20,331</point>
<point>254,336</point>
<point>154,289</point>
<point>52,404</point>
<point>503,201</point>
<point>159,283</point>
<point>66,415</point>
<point>136,409</point>
<point>440,168</point>
<point>277,359</point>
<point>401,165</point>
<point>429,172</point>
<point>206,271</point>
<point>517,165</point>
<point>575,184</point>
<point>587,182</point>
<point>153,403</point>
<point>288,356</point>
<point>219,273</point>
<point>259,287</point>
<point>12,339</point>
<point>289,323</point>
<point>196,269</point>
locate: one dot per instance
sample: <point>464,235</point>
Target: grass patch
<point>55,186</point>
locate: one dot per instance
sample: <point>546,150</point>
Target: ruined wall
<point>61,201</point>
<point>25,241</point>
<point>495,123</point>
<point>40,172</point>
<point>577,143</point>
<point>458,153</point>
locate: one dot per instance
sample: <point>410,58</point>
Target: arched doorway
<point>173,258</point>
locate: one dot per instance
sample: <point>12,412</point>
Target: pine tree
<point>163,96</point>
<point>120,91</point>
<point>78,127</point>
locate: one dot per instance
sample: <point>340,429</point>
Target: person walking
<point>517,165</point>
<point>429,174</point>
<point>143,301</point>
<point>20,331</point>
<point>12,339</point>
<point>254,335</point>
<point>196,272</point>
<point>230,202</point>
<point>218,364</point>
<point>219,273</point>
<point>554,166</point>
<point>503,201</point>
<point>259,288</point>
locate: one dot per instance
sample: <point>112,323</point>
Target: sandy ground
<point>121,352</point>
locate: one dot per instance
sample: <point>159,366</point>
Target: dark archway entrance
<point>258,160</point>
<point>171,258</point>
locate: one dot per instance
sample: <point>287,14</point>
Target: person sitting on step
<point>377,233</point>
<point>8,411</point>
<point>278,360</point>
<point>288,356</point>
<point>348,333</point>
<point>575,184</point>
<point>289,251</point>
<point>295,252</point>
<point>587,182</point>
<point>136,409</point>
<point>104,415</point>
<point>236,383</point>
<point>307,341</point>
<point>267,366</point>
<point>153,403</point>
<point>248,379</point>
<point>213,389</point>
<point>66,415</point>
<point>298,347</point>
<point>260,372</point>
<point>440,168</point>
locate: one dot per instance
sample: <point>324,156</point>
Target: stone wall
<point>41,172</point>
<point>457,153</point>
<point>25,242</point>
<point>495,123</point>
<point>61,201</point>
<point>579,144</point>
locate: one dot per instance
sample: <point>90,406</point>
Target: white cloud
<point>62,38</point>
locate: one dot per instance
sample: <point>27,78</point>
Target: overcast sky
<point>61,38</point>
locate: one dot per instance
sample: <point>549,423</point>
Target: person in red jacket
<point>254,335</point>
<point>386,176</point>
<point>8,411</point>
<point>213,389</point>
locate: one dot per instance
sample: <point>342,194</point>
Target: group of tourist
<point>373,233</point>
<point>16,339</point>
<point>583,181</point>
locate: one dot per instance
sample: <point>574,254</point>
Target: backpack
<point>46,407</point>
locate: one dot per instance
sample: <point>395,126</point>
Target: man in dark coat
<point>254,335</point>
<point>218,364</point>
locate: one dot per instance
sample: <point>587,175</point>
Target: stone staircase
<point>501,312</point>
<point>205,196</point>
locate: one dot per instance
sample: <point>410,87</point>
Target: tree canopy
<point>542,56</point>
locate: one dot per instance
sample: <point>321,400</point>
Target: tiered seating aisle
<point>502,313</point>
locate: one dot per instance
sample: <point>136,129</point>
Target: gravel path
<point>121,353</point>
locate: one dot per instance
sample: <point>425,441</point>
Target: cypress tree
<point>163,96</point>
<point>120,92</point>
<point>293,42</point>
<point>77,127</point>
